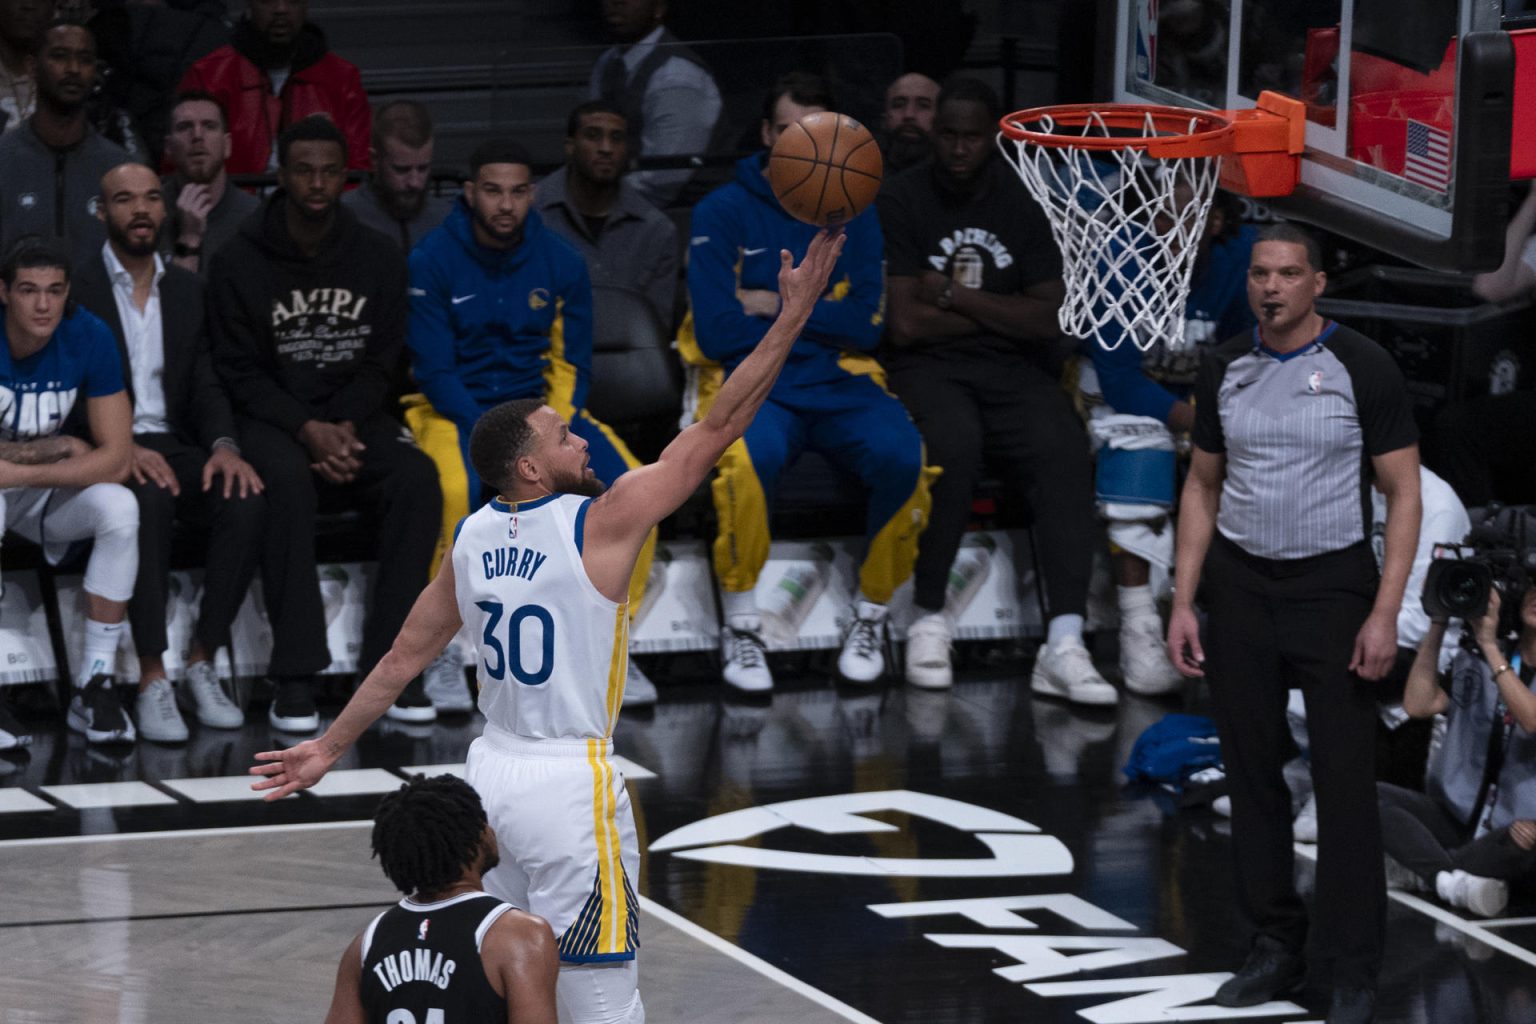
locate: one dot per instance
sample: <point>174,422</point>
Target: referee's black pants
<point>1274,625</point>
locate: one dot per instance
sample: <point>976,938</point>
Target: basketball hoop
<point>1128,188</point>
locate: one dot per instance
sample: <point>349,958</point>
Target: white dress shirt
<point>144,335</point>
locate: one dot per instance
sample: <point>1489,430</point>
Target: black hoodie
<point>300,338</point>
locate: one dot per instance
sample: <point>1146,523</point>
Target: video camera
<point>1500,551</point>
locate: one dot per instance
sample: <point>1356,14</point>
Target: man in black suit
<point>186,459</point>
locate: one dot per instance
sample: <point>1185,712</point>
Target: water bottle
<point>968,572</point>
<point>786,604</point>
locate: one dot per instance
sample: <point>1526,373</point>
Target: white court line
<point>1476,930</point>
<point>1509,922</point>
<point>762,967</point>
<point>647,904</point>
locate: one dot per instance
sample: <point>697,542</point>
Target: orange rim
<point>1182,131</point>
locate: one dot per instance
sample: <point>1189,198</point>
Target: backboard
<point>1409,107</point>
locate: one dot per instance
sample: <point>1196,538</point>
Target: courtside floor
<point>889,856</point>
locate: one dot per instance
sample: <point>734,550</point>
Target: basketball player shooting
<point>541,574</point>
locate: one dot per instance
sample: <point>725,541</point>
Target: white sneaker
<point>862,659</point>
<point>1066,670</point>
<point>928,650</point>
<point>214,708</point>
<point>1144,660</point>
<point>1485,897</point>
<point>639,691</point>
<point>746,660</point>
<point>1304,828</point>
<point>444,682</point>
<point>155,709</point>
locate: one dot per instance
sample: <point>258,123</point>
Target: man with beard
<point>307,313</point>
<point>626,241</point>
<point>908,121</point>
<point>668,97</point>
<point>395,202</point>
<point>186,461</point>
<point>488,960</point>
<point>541,576</point>
<point>205,208</point>
<point>20,23</point>
<point>276,71</point>
<point>501,309</point>
<point>975,282</point>
<point>51,167</point>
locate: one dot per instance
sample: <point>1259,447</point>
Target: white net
<point>1128,226</point>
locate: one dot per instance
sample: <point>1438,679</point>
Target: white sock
<point>100,655</point>
<point>861,600</point>
<point>739,605</point>
<point>1137,602</point>
<point>1063,629</point>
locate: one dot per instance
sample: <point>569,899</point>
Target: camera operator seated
<point>1474,830</point>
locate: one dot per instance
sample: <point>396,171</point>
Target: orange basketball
<point>825,169</point>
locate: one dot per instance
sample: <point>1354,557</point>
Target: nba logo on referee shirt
<point>421,933</point>
<point>1315,382</point>
<point>512,528</point>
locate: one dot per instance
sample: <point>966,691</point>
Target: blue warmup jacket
<point>738,230</point>
<point>488,326</point>
<point>1148,384</point>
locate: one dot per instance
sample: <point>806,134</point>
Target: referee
<point>1292,423</point>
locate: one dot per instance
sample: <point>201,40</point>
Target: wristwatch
<point>946,299</point>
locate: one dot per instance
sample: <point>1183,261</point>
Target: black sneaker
<point>1352,1006</point>
<point>293,707</point>
<point>13,735</point>
<point>412,705</point>
<point>97,712</point>
<point>1271,971</point>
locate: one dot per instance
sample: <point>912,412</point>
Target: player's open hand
<point>800,287</point>
<point>287,771</point>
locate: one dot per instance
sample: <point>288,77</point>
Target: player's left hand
<point>287,771</point>
<point>1375,647</point>
<point>237,473</point>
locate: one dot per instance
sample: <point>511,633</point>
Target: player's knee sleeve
<point>114,562</point>
<point>600,993</point>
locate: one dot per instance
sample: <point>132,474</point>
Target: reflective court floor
<point>829,855</point>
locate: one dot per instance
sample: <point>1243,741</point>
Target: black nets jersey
<point>421,963</point>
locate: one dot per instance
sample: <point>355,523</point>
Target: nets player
<point>542,574</point>
<point>448,953</point>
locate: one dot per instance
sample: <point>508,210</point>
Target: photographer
<point>1475,828</point>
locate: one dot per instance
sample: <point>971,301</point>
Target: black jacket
<point>195,403</point>
<point>297,338</point>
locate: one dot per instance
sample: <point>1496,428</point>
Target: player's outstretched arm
<point>523,962</point>
<point>347,1001</point>
<point>644,497</point>
<point>433,621</point>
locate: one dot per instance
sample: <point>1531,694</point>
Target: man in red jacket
<point>275,71</point>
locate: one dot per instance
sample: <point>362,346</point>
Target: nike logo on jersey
<point>462,298</point>
<point>1243,383</point>
<point>753,252</point>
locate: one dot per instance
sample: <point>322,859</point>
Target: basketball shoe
<point>1066,670</point>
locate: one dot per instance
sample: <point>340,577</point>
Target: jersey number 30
<point>510,657</point>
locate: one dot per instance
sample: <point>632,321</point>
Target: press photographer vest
<point>1456,774</point>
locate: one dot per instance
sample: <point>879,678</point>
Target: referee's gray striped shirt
<point>1298,430</point>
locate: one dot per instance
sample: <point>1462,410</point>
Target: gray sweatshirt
<point>54,193</point>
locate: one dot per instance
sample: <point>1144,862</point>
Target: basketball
<point>825,169</point>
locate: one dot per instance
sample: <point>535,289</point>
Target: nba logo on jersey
<point>512,527</point>
<point>1315,382</point>
<point>421,933</point>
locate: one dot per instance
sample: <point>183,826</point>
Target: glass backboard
<point>1409,107</point>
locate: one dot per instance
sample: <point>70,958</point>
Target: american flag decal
<point>1427,160</point>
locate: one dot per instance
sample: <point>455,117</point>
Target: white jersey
<point>552,650</point>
